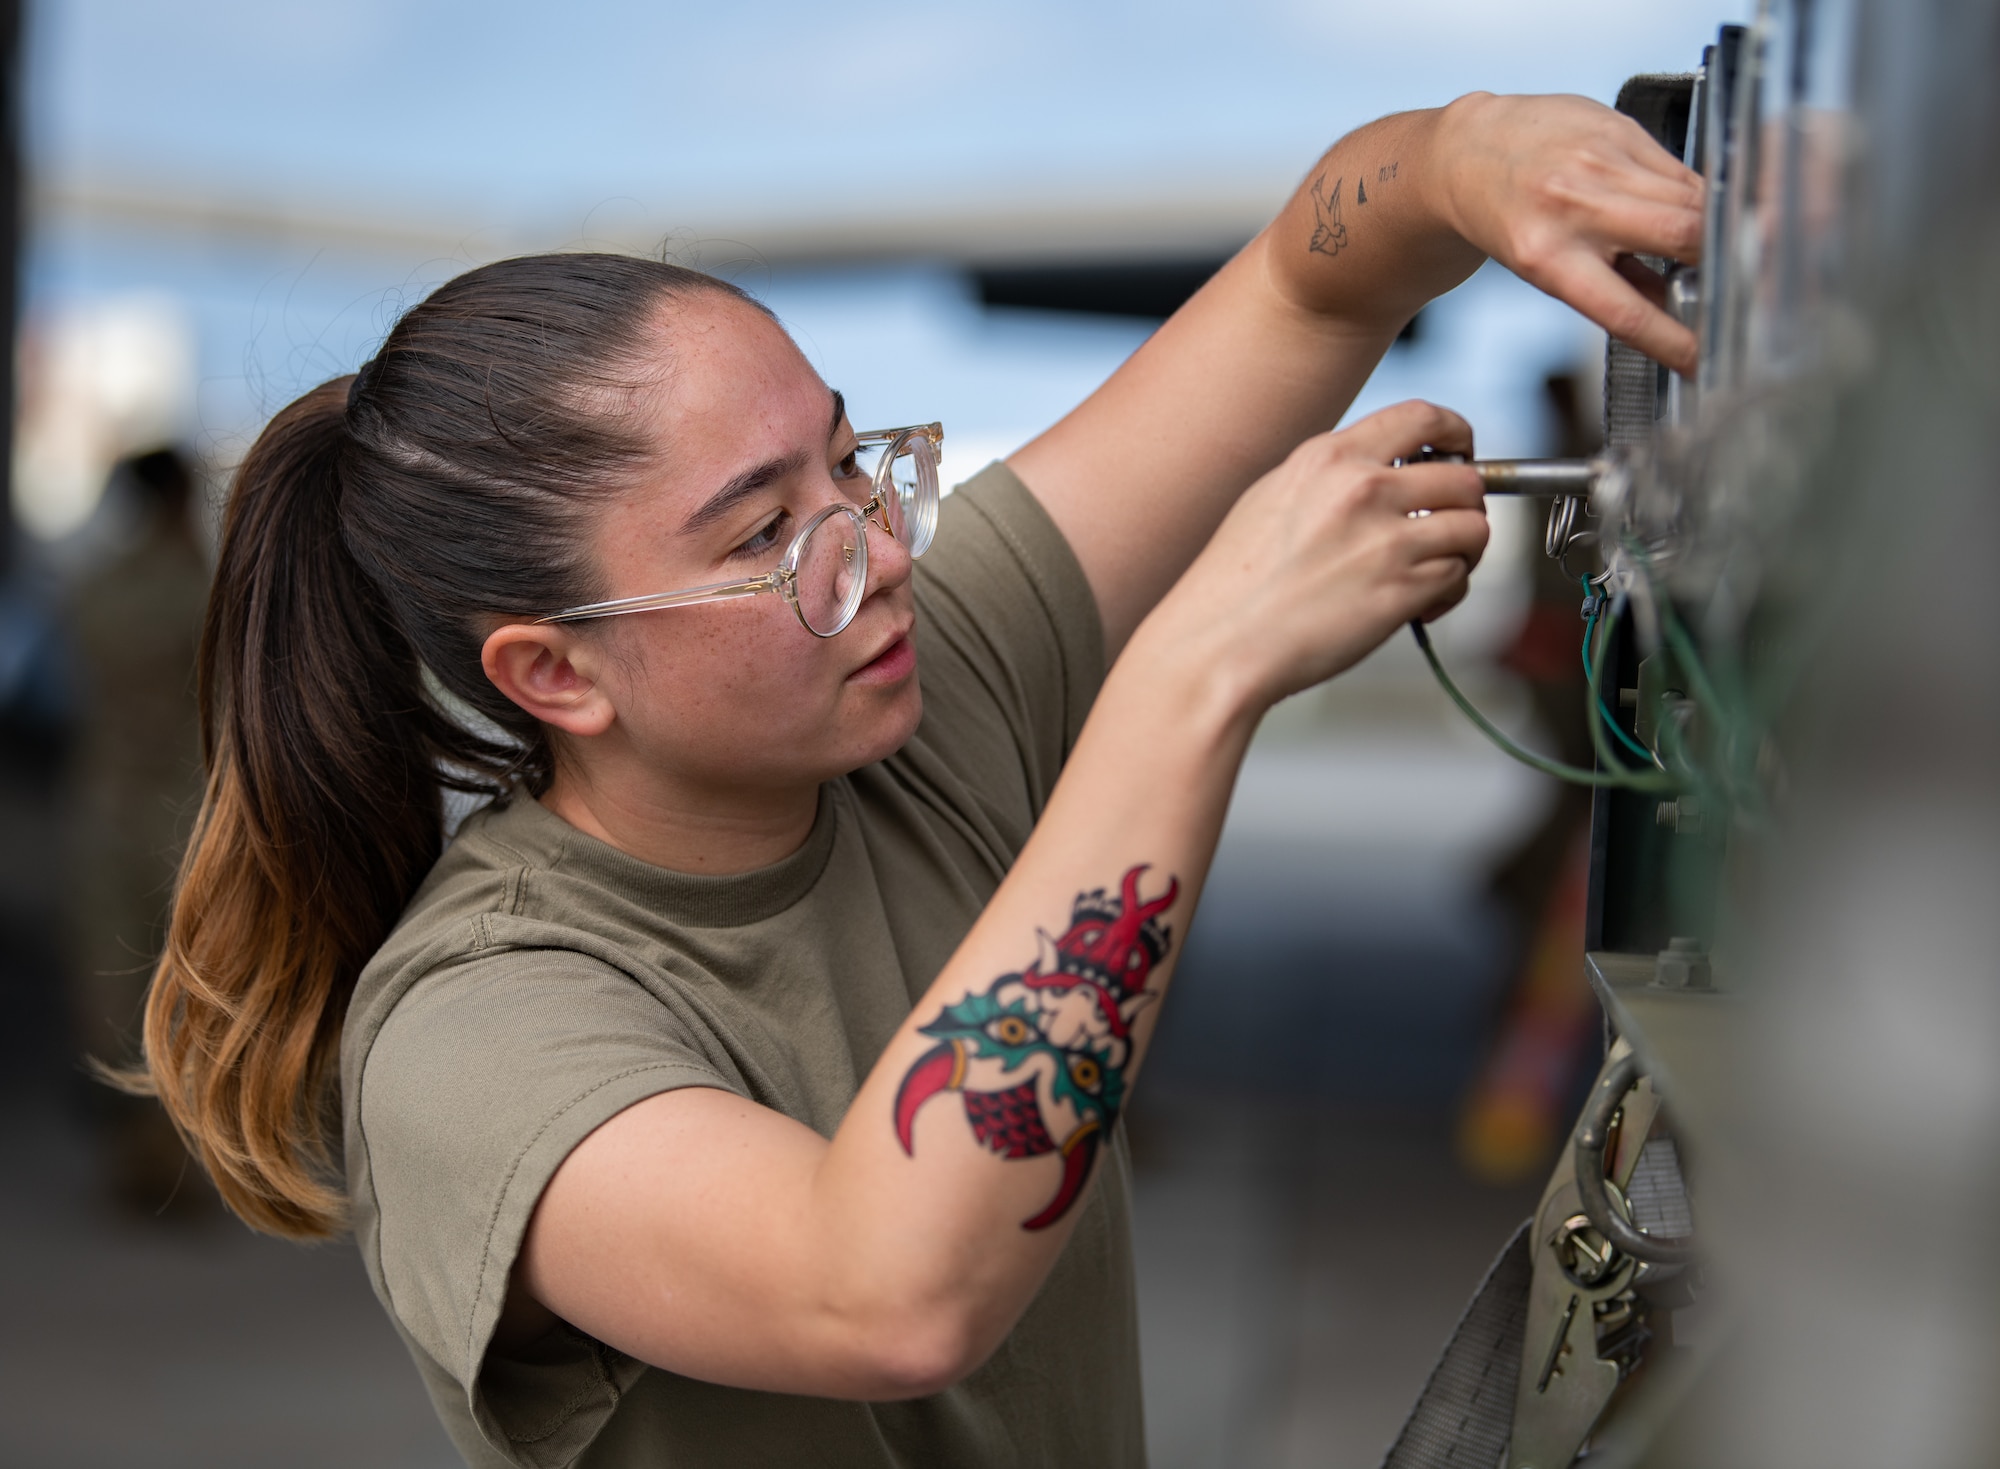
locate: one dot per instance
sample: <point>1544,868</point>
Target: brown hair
<point>373,531</point>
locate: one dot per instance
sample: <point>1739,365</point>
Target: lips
<point>893,663</point>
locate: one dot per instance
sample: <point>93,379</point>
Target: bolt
<point>1682,966</point>
<point>1679,815</point>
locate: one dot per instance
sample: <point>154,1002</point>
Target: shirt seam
<point>507,1188</point>
<point>1025,557</point>
<point>481,925</point>
<point>1050,599</point>
<point>563,1414</point>
<point>510,848</point>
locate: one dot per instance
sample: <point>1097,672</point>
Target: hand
<point>1563,192</point>
<point>1325,556</point>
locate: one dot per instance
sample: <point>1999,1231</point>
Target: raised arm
<point>702,1233</point>
<point>1275,347</point>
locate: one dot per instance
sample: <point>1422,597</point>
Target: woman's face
<point>738,693</point>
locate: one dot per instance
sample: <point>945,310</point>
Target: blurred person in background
<point>741,1084</point>
<point>134,624</point>
<point>37,694</point>
<point>37,715</point>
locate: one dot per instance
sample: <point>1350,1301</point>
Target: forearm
<point>1268,353</point>
<point>1276,345</point>
<point>960,1169</point>
<point>1367,238</point>
<point>953,1181</point>
<point>706,1234</point>
<point>724,1240</point>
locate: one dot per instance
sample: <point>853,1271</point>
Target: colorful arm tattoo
<point>1042,1054</point>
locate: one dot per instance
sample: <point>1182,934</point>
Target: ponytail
<point>375,529</point>
<point>322,813</point>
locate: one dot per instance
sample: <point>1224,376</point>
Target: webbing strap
<point>1466,1412</point>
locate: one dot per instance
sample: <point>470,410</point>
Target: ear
<point>551,673</point>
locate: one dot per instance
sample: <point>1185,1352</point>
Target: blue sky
<point>503,111</point>
<point>545,120</point>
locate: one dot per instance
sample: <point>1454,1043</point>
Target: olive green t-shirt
<point>543,981</point>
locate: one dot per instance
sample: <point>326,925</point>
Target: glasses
<point>824,573</point>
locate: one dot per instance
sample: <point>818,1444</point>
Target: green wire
<point>1684,649</point>
<point>1589,626</point>
<point>1574,774</point>
<point>1741,793</point>
<point>1679,640</point>
<point>1737,731</point>
<point>1607,754</point>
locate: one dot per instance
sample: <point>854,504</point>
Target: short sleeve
<point>486,1074</point>
<point>1010,644</point>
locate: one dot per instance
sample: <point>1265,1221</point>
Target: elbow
<point>915,1354</point>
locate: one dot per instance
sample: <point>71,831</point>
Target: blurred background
<point>966,213</point>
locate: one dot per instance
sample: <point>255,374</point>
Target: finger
<point>1614,303</point>
<point>1436,487</point>
<point>1658,163</point>
<point>1692,187</point>
<point>1633,177</point>
<point>1633,210</point>
<point>1660,176</point>
<point>1400,431</point>
<point>1632,223</point>
<point>1643,148</point>
<point>1453,594</point>
<point>1447,535</point>
<point>1439,584</point>
<point>1643,278</point>
<point>1646,228</point>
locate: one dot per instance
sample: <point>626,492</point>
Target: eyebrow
<point>740,487</point>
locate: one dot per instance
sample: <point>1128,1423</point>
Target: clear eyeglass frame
<point>904,503</point>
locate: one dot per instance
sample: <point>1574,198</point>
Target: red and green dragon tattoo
<point>1042,1054</point>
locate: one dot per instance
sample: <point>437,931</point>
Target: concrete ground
<point>1299,1268</point>
<point>1299,1271</point>
<point>1305,1239</point>
<point>185,1344</point>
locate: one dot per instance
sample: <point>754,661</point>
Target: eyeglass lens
<point>910,490</point>
<point>833,558</point>
<point>832,573</point>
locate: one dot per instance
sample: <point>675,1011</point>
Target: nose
<point>889,560</point>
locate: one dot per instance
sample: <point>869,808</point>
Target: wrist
<point>1442,142</point>
<point>1189,675</point>
<point>1401,248</point>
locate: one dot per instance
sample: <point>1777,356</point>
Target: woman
<point>741,1085</point>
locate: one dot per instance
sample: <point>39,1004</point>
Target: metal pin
<point>1544,479</point>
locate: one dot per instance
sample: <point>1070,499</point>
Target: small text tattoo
<point>1039,1057</point>
<point>1385,173</point>
<point>1329,236</point>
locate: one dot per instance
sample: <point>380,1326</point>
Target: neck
<point>707,831</point>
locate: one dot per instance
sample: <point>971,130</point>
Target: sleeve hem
<point>528,1176</point>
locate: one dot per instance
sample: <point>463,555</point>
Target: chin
<point>888,727</point>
